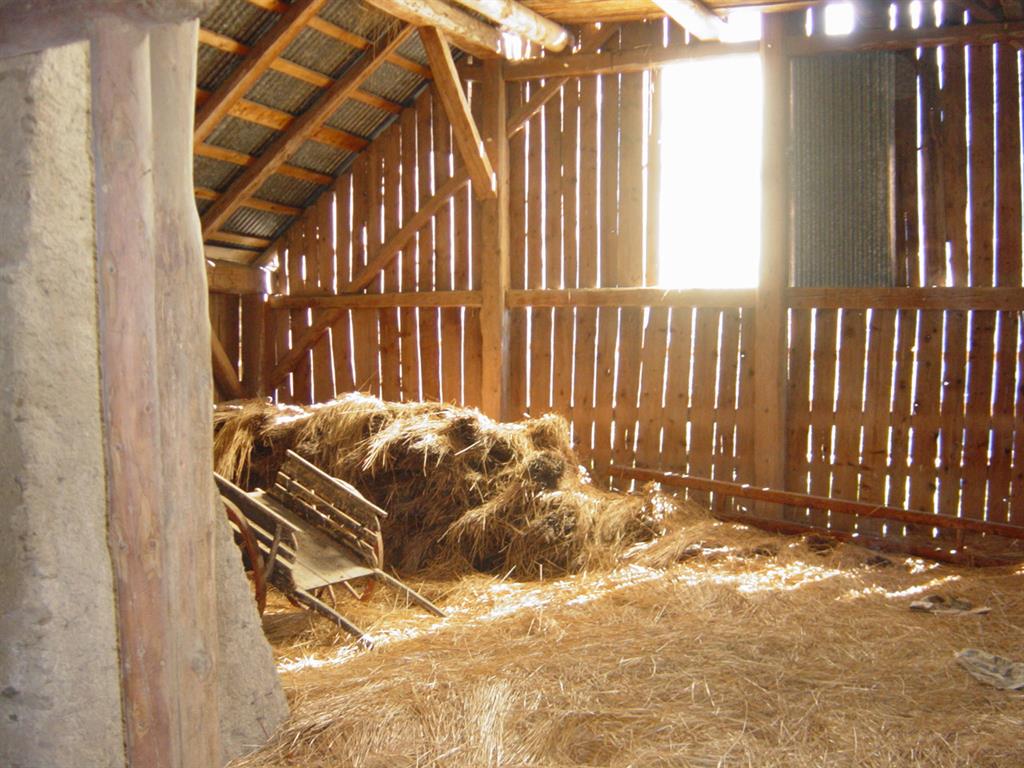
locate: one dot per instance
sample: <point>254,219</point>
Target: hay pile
<point>462,491</point>
<point>756,650</point>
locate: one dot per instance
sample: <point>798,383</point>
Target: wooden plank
<point>517,332</point>
<point>390,366</point>
<point>982,324</point>
<point>902,406</point>
<point>932,201</point>
<point>651,412</point>
<point>798,407</point>
<point>723,456</point>
<point>954,158</point>
<point>877,397</point>
<point>652,202</point>
<point>849,410</point>
<point>555,257</point>
<point>745,400</point>
<point>408,318</point>
<point>270,46</point>
<point>224,373</point>
<point>627,384</point>
<point>926,36</point>
<point>254,340</point>
<point>449,92</point>
<point>253,177</point>
<point>702,409</point>
<point>630,252</point>
<point>450,327</point>
<point>323,362</point>
<point>1007,273</point>
<point>344,377</point>
<point>495,250</point>
<point>540,320</point>
<point>822,406</point>
<point>298,251</point>
<point>472,341</point>
<point>677,390</point>
<point>429,318</point>
<point>462,255</point>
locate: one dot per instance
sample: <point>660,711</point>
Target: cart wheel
<point>252,551</point>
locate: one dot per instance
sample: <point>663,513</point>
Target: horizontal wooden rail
<point>963,299</point>
<point>631,297</point>
<point>378,300</point>
<point>619,62</point>
<point>793,499</point>
<point>903,39</point>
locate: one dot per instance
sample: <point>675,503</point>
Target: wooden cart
<point>309,533</point>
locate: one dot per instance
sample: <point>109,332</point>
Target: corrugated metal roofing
<point>246,22</point>
<point>241,136</point>
<point>319,157</point>
<point>239,20</point>
<point>317,51</point>
<point>283,92</point>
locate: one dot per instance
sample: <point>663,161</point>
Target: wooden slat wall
<point>914,408</point>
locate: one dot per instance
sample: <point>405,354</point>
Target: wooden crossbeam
<point>246,241</point>
<point>384,256</point>
<point>303,128</point>
<point>519,20</point>
<point>695,17</point>
<point>449,90</point>
<point>259,59</point>
<point>468,33</point>
<point>378,300</point>
<point>235,279</point>
<point>240,158</point>
<point>279,120</point>
<point>896,40</point>
<point>205,193</point>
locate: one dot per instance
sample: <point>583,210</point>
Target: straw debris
<point>462,491</point>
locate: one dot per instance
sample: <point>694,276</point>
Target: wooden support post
<point>770,313</point>
<point>494,243</point>
<point>456,106</point>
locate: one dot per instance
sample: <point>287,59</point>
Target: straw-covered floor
<point>716,646</point>
<point>462,492</point>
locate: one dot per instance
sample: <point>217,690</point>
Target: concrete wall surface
<point>59,676</point>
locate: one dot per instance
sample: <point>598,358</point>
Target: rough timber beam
<point>520,20</point>
<point>695,17</point>
<point>468,33</point>
<point>224,373</point>
<point>260,58</point>
<point>303,128</point>
<point>449,89</point>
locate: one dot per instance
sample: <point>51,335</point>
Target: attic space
<point>511,383</point>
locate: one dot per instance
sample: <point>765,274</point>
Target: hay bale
<point>461,490</point>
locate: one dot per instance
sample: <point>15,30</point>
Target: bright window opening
<point>839,18</point>
<point>710,206</point>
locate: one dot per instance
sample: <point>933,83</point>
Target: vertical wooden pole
<point>770,318</point>
<point>185,477</point>
<point>495,249</point>
<point>122,119</point>
<point>254,340</point>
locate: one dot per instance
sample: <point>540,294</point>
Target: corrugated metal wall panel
<point>841,170</point>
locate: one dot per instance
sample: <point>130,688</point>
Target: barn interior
<point>652,374</point>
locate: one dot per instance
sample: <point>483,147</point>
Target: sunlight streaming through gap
<point>710,231</point>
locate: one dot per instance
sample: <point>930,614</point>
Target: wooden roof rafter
<point>302,128</point>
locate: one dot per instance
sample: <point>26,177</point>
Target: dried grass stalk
<point>461,490</point>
